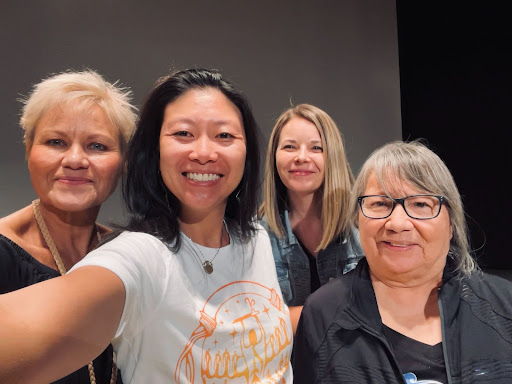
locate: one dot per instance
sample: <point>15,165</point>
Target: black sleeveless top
<point>18,269</point>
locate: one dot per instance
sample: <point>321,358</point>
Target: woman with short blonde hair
<point>76,131</point>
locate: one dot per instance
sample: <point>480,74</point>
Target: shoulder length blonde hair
<point>336,186</point>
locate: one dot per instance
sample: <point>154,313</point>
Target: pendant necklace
<point>62,269</point>
<point>208,264</point>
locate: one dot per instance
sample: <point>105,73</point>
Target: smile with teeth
<point>202,176</point>
<point>397,244</point>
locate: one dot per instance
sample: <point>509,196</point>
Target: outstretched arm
<point>53,328</point>
<point>295,316</point>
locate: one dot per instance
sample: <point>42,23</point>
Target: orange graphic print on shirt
<point>244,339</point>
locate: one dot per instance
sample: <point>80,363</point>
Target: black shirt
<point>313,270</point>
<point>417,361</point>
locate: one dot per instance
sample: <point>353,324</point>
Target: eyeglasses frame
<point>442,200</point>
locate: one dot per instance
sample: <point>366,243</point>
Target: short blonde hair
<point>414,163</point>
<point>86,88</point>
<point>337,183</point>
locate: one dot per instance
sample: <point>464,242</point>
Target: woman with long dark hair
<point>188,292</point>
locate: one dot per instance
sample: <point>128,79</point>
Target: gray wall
<point>340,55</point>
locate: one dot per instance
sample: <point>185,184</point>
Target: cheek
<point>110,170</point>
<point>281,160</point>
<point>281,166</point>
<point>320,162</point>
<point>37,164</point>
<point>442,243</point>
<point>239,160</point>
<point>171,156</point>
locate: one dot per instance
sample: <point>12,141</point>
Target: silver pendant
<point>208,267</point>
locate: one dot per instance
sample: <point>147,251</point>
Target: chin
<point>75,204</point>
<point>303,189</point>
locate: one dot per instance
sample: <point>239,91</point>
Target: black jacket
<point>340,338</point>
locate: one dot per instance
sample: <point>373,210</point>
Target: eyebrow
<point>193,121</point>
<point>101,133</point>
<point>294,141</point>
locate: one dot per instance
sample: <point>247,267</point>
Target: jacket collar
<point>361,306</point>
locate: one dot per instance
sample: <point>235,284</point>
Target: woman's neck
<point>303,206</point>
<point>207,230</point>
<point>411,310</point>
<point>74,233</point>
<point>306,220</point>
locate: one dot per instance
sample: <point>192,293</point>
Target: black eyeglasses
<point>421,207</point>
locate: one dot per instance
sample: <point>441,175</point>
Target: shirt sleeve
<point>141,262</point>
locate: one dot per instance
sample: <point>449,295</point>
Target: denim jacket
<point>292,263</point>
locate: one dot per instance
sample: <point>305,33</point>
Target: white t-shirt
<point>181,325</point>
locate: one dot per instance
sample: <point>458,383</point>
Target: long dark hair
<point>152,207</point>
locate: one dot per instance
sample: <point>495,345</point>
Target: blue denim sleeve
<point>282,266</point>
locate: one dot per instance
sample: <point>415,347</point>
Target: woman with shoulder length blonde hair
<point>306,196</point>
<point>76,131</point>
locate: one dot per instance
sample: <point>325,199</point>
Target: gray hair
<point>414,163</point>
<point>86,88</point>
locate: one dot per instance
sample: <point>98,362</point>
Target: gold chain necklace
<point>62,269</point>
<point>208,264</point>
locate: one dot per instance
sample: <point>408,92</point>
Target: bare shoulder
<point>18,225</point>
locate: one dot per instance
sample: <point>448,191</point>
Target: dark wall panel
<point>456,92</point>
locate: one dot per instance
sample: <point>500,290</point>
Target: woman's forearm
<point>51,329</point>
<point>295,316</point>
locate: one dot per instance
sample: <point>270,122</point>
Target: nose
<point>75,157</point>
<point>204,150</point>
<point>302,155</point>
<point>399,221</point>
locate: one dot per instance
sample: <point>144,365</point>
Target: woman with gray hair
<point>417,308</point>
<point>76,131</point>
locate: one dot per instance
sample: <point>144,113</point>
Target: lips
<point>301,172</point>
<point>398,244</point>
<point>74,180</point>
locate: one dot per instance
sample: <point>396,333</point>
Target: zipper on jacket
<point>444,339</point>
<point>384,341</point>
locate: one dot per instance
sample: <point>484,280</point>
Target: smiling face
<point>300,157</point>
<point>74,160</point>
<point>202,150</point>
<point>401,249</point>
